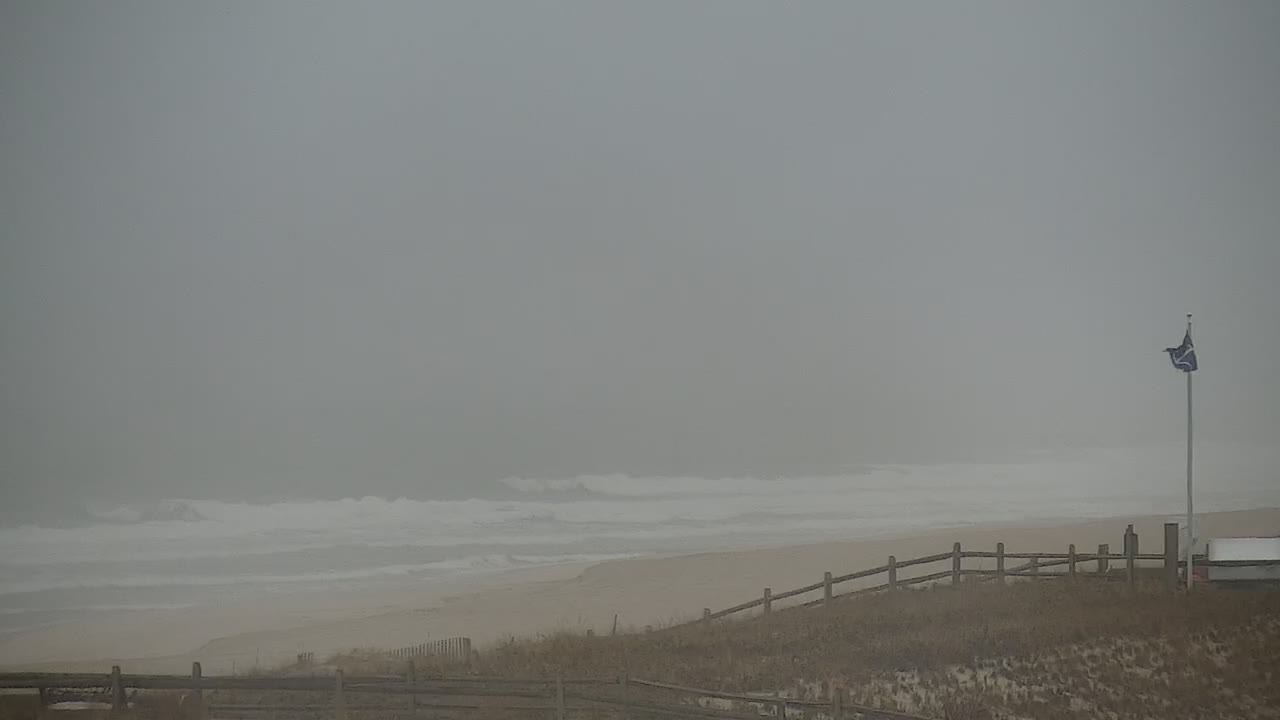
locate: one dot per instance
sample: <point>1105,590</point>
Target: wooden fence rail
<point>1037,562</point>
<point>618,697</point>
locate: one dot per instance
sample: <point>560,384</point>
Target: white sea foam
<point>453,566</point>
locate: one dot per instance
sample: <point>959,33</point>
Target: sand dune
<point>640,591</point>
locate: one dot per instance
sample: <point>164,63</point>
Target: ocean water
<point>181,552</point>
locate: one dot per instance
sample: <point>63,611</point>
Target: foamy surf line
<point>459,566</point>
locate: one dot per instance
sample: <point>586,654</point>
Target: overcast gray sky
<point>319,248</point>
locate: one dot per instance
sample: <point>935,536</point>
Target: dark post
<point>1034,569</point>
<point>1071,561</point>
<point>955,565</point>
<point>1130,540</point>
<point>1171,555</point>
<point>560,712</point>
<point>409,679</point>
<point>837,703</point>
<point>768,601</point>
<point>1131,561</point>
<point>118,700</point>
<point>1104,563</point>
<point>197,695</point>
<point>706,617</point>
<point>893,573</point>
<point>626,680</point>
<point>826,589</point>
<point>1000,561</point>
<point>339,697</point>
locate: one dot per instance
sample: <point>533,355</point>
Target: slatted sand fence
<point>453,649</point>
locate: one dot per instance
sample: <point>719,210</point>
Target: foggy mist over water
<point>256,252</point>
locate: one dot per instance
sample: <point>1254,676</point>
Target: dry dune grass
<point>1030,650</point>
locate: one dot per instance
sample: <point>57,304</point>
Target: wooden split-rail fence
<point>340,697</point>
<point>1098,565</point>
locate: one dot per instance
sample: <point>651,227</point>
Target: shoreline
<point>649,590</point>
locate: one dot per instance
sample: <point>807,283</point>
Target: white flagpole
<point>1190,516</point>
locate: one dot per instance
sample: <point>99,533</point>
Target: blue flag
<point>1184,356</point>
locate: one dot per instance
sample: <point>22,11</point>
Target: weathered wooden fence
<point>339,697</point>
<point>457,648</point>
<point>1096,565</point>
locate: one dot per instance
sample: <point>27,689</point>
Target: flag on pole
<point>1184,356</point>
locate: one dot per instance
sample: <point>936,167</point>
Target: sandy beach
<point>641,591</point>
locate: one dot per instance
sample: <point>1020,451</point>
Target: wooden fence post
<point>1131,561</point>
<point>768,601</point>
<point>1034,568</point>
<point>826,589</point>
<point>626,681</point>
<point>560,711</point>
<point>409,680</point>
<point>339,697</point>
<point>893,573</point>
<point>955,565</point>
<point>706,618</point>
<point>837,702</point>
<point>1171,555</point>
<point>466,645</point>
<point>1130,540</point>
<point>1000,562</point>
<point>118,699</point>
<point>1104,563</point>
<point>197,695</point>
<point>1071,561</point>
